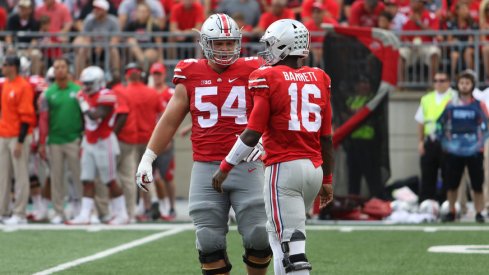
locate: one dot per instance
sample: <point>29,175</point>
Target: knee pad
<point>206,258</point>
<point>265,256</point>
<point>296,259</point>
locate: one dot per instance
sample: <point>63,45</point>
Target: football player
<point>293,113</point>
<point>215,92</point>
<point>99,146</point>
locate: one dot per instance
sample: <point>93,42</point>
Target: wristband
<point>225,166</point>
<point>328,179</point>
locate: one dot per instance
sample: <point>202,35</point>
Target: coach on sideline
<point>17,118</point>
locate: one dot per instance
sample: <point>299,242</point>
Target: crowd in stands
<point>181,17</point>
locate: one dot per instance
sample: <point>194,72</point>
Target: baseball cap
<point>157,68</point>
<point>24,3</point>
<point>12,60</point>
<point>318,5</point>
<point>101,4</point>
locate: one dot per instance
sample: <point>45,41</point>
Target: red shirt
<point>330,6</point>
<point>428,19</point>
<point>101,128</point>
<point>359,16</point>
<point>289,96</point>
<point>129,132</point>
<point>267,18</point>
<point>16,107</point>
<point>144,102</point>
<point>165,96</point>
<point>312,27</point>
<point>219,104</point>
<point>59,14</point>
<point>3,19</point>
<point>187,18</point>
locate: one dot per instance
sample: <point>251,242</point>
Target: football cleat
<point>79,220</point>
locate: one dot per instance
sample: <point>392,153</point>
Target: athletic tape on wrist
<point>149,155</point>
<point>238,152</point>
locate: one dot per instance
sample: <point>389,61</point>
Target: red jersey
<point>37,83</point>
<point>129,132</point>
<point>100,128</point>
<point>298,111</point>
<point>219,104</point>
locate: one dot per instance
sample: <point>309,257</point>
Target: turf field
<point>169,249</point>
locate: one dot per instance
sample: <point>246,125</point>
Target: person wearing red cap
<point>165,163</point>
<point>143,110</point>
<point>365,13</point>
<point>278,10</point>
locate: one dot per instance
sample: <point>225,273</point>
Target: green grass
<point>25,252</point>
<point>330,252</point>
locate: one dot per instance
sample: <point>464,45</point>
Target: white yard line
<point>114,250</point>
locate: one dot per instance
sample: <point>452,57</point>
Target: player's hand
<point>217,179</point>
<point>18,150</point>
<point>326,195</point>
<point>42,151</point>
<point>144,175</point>
<point>257,152</point>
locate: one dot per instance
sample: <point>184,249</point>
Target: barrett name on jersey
<point>220,104</point>
<point>300,109</point>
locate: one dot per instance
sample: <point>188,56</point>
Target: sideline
<point>114,250</point>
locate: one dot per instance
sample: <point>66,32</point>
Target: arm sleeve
<point>24,128</point>
<point>259,115</point>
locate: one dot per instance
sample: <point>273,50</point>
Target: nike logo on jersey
<point>232,80</point>
<point>251,170</point>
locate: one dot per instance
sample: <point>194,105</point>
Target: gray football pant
<point>243,190</point>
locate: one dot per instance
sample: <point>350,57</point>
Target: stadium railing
<point>414,75</point>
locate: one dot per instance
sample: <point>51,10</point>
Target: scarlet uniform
<point>299,100</point>
<point>99,129</point>
<point>219,103</point>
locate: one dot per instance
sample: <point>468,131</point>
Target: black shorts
<point>455,166</point>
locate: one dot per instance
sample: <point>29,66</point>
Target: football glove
<point>144,175</point>
<point>257,152</point>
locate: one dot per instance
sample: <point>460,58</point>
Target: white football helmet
<point>283,38</point>
<point>430,207</point>
<point>220,27</point>
<point>92,79</point>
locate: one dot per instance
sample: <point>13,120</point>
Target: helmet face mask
<point>216,35</point>
<point>286,37</point>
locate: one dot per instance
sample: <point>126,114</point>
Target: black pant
<point>455,169</point>
<point>363,160</point>
<point>431,162</point>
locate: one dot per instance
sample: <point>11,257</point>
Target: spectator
<point>385,21</point>
<point>59,14</point>
<point>185,16</point>
<point>429,147</point>
<point>249,8</point>
<point>3,19</point>
<point>85,9</point>
<point>462,138</point>
<point>331,8</point>
<point>127,11</point>
<point>21,21</point>
<point>49,41</point>
<point>17,118</point>
<point>140,44</point>
<point>99,21</point>
<point>365,13</point>
<point>144,109</point>
<point>247,30</point>
<point>398,18</point>
<point>277,11</point>
<point>165,162</point>
<point>422,46</point>
<point>461,44</point>
<point>314,26</point>
<point>61,127</point>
